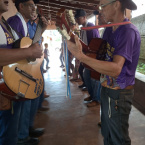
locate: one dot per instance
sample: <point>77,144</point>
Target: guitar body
<point>4,90</point>
<point>23,78</point>
<point>97,49</point>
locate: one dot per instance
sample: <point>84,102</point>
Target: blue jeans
<point>93,86</point>
<point>41,97</point>
<point>47,61</point>
<point>23,130</point>
<point>115,110</point>
<point>61,58</point>
<point>36,103</point>
<point>88,82</point>
<point>29,110</point>
<point>9,125</point>
<point>81,69</point>
<point>33,111</point>
<point>96,85</point>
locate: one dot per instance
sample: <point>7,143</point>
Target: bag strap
<point>5,22</point>
<point>7,27</point>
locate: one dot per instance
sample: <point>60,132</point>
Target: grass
<point>141,67</point>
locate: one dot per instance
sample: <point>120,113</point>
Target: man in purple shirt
<point>26,10</point>
<point>9,119</point>
<point>118,69</point>
<point>19,121</point>
<point>86,37</point>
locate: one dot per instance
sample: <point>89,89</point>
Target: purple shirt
<point>9,39</point>
<point>16,24</point>
<point>125,41</point>
<point>92,33</point>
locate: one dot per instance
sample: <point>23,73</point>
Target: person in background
<point>75,73</point>
<point>86,37</point>
<point>44,94</point>
<point>61,55</point>
<point>26,11</point>
<point>35,132</point>
<point>46,54</point>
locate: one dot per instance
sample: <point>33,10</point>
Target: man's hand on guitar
<point>75,48</point>
<point>36,50</point>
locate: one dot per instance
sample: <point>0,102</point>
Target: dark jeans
<point>41,97</point>
<point>81,69</point>
<point>96,90</point>
<point>93,86</point>
<point>23,128</point>
<point>115,107</point>
<point>9,124</point>
<point>33,110</point>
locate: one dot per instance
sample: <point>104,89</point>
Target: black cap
<point>17,2</point>
<point>80,13</point>
<point>129,4</point>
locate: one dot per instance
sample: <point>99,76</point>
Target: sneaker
<point>28,141</point>
<point>36,132</point>
<point>81,86</point>
<point>92,104</point>
<point>88,99</point>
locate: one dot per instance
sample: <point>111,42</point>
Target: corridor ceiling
<point>51,7</point>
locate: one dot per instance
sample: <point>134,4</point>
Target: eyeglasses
<point>102,6</point>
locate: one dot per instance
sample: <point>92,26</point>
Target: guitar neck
<point>84,46</point>
<point>38,33</point>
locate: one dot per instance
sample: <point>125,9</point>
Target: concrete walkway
<point>70,122</point>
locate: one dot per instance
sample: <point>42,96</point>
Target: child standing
<point>46,54</point>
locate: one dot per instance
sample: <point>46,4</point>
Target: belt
<point>118,88</point>
<point>129,87</point>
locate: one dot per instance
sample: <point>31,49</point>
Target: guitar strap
<point>38,32</point>
<point>7,27</point>
<point>107,25</point>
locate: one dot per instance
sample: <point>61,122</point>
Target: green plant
<point>141,67</point>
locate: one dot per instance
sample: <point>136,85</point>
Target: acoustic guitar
<point>97,47</point>
<point>23,79</point>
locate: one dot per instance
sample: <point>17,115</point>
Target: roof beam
<point>68,5</point>
<point>93,2</point>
